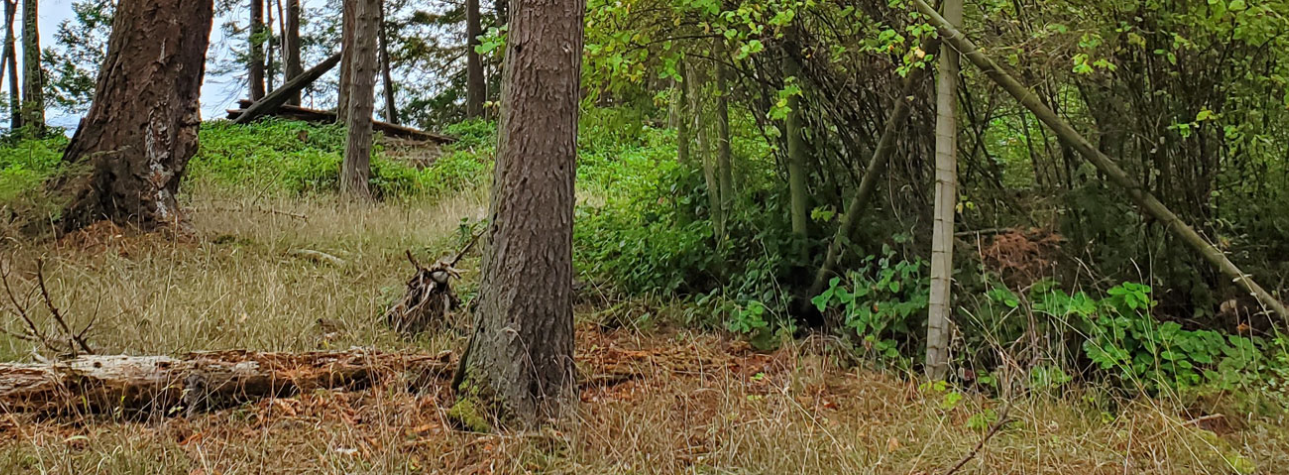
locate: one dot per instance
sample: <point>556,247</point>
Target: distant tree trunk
<point>683,110</point>
<point>799,194</point>
<point>946,202</point>
<point>702,129</point>
<point>355,173</point>
<point>475,84</point>
<point>11,59</point>
<point>269,47</point>
<point>33,79</point>
<point>724,159</point>
<point>131,149</point>
<point>346,60</point>
<point>519,367</point>
<point>255,63</point>
<point>291,40</point>
<point>387,77</point>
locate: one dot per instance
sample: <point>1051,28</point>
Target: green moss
<point>468,412</point>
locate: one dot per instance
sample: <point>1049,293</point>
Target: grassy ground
<point>702,403</point>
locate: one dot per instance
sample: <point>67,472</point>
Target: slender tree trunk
<point>683,108</point>
<point>946,201</point>
<point>255,63</point>
<point>1144,199</point>
<point>387,77</point>
<point>703,130</point>
<point>519,367</point>
<point>724,159</point>
<point>130,151</point>
<point>355,173</point>
<point>800,195</point>
<point>11,59</point>
<point>269,47</point>
<point>346,61</point>
<point>291,41</point>
<point>475,84</point>
<point>33,79</point>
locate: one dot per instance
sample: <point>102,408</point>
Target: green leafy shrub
<point>883,303</point>
<point>26,163</point>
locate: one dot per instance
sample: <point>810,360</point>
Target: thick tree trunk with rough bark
<point>291,41</point>
<point>520,363</point>
<point>255,63</point>
<point>387,76</point>
<point>475,84</point>
<point>33,78</point>
<point>129,154</point>
<point>11,60</point>
<point>346,59</point>
<point>355,173</point>
<point>946,201</point>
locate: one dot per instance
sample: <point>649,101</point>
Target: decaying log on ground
<point>327,117</point>
<point>161,385</point>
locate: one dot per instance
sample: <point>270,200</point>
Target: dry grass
<point>701,404</point>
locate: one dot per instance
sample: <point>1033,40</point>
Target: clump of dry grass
<point>661,401</point>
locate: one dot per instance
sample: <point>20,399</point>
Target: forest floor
<point>694,402</point>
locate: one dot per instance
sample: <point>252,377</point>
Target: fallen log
<point>322,116</point>
<point>197,382</point>
<point>280,96</point>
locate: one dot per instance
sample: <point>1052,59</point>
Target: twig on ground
<point>1003,419</point>
<point>74,339</point>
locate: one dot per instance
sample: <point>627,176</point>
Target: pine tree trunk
<point>346,60</point>
<point>475,83</point>
<point>946,201</point>
<point>132,148</point>
<point>33,79</point>
<point>11,59</point>
<point>255,63</point>
<point>355,173</point>
<point>291,40</point>
<point>520,363</point>
<point>387,76</point>
<point>269,47</point>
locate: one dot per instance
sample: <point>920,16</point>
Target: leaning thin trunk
<point>946,200</point>
<point>256,62</point>
<point>474,61</point>
<point>33,80</point>
<point>11,60</point>
<point>346,61</point>
<point>387,77</point>
<point>1148,202</point>
<point>129,155</point>
<point>291,41</point>
<point>355,173</point>
<point>519,367</point>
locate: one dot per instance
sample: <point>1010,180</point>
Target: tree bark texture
<point>724,158</point>
<point>800,195</point>
<point>387,76</point>
<point>33,78</point>
<point>347,25</point>
<point>946,201</point>
<point>1144,199</point>
<point>355,172</point>
<point>255,63</point>
<point>291,41</point>
<point>11,60</point>
<point>129,154</point>
<point>164,386</point>
<point>520,366</point>
<point>475,85</point>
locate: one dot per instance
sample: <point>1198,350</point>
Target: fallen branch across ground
<point>161,385</point>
